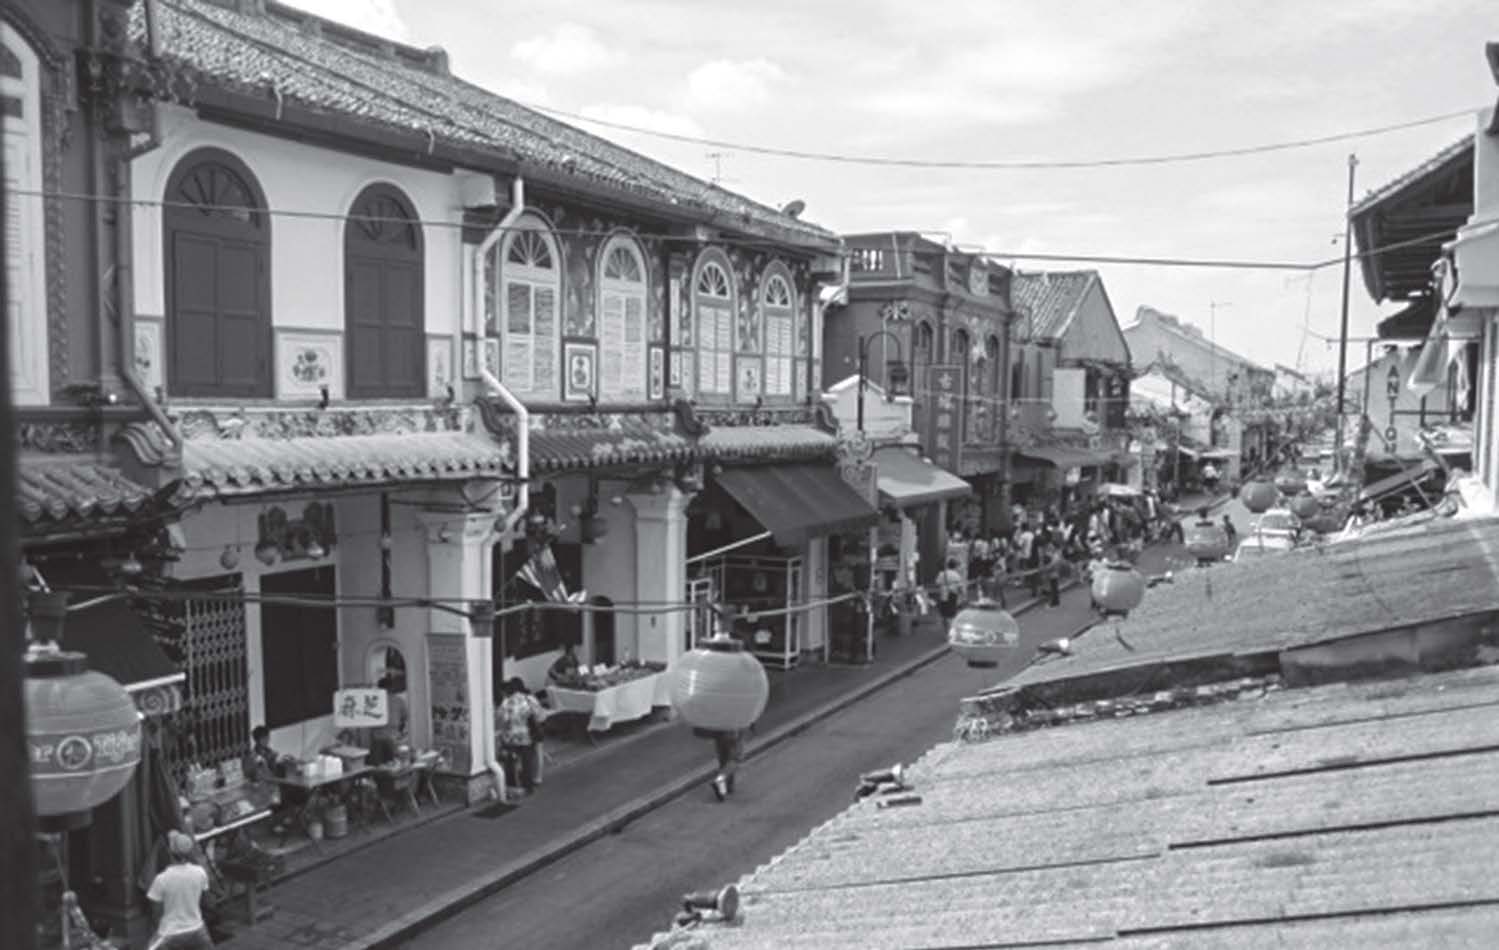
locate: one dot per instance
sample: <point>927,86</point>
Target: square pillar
<point>660,571</point>
<point>815,588</point>
<point>456,664</point>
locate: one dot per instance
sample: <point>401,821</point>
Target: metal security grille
<point>217,666</point>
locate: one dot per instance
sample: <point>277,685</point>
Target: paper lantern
<point>1206,540</point>
<point>1290,483</point>
<point>1259,496</point>
<point>718,687</point>
<point>1118,588</point>
<point>83,734</point>
<point>982,633</point>
<point>1305,506</point>
<point>1330,521</point>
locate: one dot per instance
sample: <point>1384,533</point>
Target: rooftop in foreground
<point>1336,816</point>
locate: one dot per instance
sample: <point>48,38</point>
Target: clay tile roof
<point>1047,301</point>
<point>633,441</point>
<point>327,67</point>
<point>781,442</point>
<point>1453,154</point>
<point>223,467</point>
<point>1345,816</point>
<point>51,492</point>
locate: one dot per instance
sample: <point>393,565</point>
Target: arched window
<point>993,384</point>
<point>385,329</point>
<point>962,356</point>
<point>218,280</point>
<point>713,306</point>
<point>523,287</point>
<point>922,346</point>
<point>778,301</point>
<point>25,225</point>
<point>622,320</point>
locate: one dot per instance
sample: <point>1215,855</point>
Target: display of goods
<point>1118,588</point>
<point>204,816</point>
<point>719,687</point>
<point>982,633</point>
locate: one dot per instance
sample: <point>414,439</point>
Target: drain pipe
<point>522,450</point>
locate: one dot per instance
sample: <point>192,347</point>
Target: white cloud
<point>567,50</point>
<point>642,117</point>
<point>729,84</point>
<point>373,16</point>
<point>524,91</point>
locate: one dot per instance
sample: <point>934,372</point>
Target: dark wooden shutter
<point>299,647</point>
<point>385,321</point>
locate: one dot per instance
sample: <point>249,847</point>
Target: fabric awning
<point>1065,458</point>
<point>118,645</point>
<point>797,502</point>
<point>1398,481</point>
<point>906,480</point>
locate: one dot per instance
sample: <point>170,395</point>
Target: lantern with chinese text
<point>1259,496</point>
<point>1305,506</point>
<point>982,633</point>
<point>1117,588</point>
<point>718,687</point>
<point>83,735</point>
<point>1206,541</point>
<point>1290,483</point>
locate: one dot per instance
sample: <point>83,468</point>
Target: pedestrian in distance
<point>1230,530</point>
<point>729,747</point>
<point>517,721</point>
<point>176,896</point>
<point>950,585</point>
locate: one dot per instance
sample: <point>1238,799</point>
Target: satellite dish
<point>795,208</point>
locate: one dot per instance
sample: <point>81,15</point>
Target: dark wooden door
<point>299,646</point>
<point>385,324</point>
<point>217,283</point>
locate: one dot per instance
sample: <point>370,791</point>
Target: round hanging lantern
<point>718,687</point>
<point>982,633</point>
<point>1259,496</point>
<point>1206,540</point>
<point>1118,588</point>
<point>1330,521</point>
<point>83,735</point>
<point>1305,506</point>
<point>1291,483</point>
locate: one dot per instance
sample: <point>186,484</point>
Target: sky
<point>984,80</point>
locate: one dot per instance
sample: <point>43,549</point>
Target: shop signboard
<point>361,708</point>
<point>447,673</point>
<point>945,404</point>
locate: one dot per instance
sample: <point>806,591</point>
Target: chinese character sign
<point>360,708</point>
<point>946,402</point>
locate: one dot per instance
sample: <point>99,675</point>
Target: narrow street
<point>620,890</point>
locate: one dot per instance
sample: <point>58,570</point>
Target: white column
<point>459,569</point>
<point>660,572</point>
<point>815,588</point>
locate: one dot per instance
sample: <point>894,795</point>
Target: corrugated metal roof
<point>1341,816</point>
<point>1456,152</point>
<point>332,71</point>
<point>1048,300</point>
<point>1442,569</point>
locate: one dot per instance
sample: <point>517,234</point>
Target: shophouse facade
<point>944,315</point>
<point>1073,365</point>
<point>406,355</point>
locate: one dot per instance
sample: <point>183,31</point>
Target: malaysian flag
<point>542,573</point>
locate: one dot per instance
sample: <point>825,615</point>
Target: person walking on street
<point>176,896</point>
<point>950,589</point>
<point>516,728</point>
<point>729,747</point>
<point>1053,571</point>
<point>1230,530</point>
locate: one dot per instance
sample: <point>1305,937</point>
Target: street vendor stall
<point>610,695</point>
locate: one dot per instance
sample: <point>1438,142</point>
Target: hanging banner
<point>447,676</point>
<point>360,708</point>
<point>945,404</point>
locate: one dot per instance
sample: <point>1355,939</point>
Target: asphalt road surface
<point>618,891</point>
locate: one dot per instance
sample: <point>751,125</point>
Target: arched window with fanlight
<point>218,281</point>
<point>622,320</point>
<point>713,307</point>
<point>384,296</point>
<point>923,354</point>
<point>778,302</point>
<point>522,290</point>
<point>25,225</point>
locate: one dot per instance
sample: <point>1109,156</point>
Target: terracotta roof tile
<point>1047,301</point>
<point>1122,833</point>
<point>55,490</point>
<point>332,70</point>
<point>760,442</point>
<point>629,443</point>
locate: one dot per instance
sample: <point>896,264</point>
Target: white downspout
<point>522,450</point>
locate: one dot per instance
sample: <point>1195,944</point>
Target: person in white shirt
<point>176,895</point>
<point>950,584</point>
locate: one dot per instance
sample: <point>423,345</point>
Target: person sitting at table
<point>566,667</point>
<point>260,762</point>
<point>515,729</point>
<point>384,740</point>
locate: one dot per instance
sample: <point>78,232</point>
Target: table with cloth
<point>621,702</point>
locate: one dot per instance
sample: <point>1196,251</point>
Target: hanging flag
<point>541,572</point>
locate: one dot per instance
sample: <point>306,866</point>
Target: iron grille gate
<point>218,673</point>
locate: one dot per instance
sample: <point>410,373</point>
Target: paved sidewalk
<point>376,895</point>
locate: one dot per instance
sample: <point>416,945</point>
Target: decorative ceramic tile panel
<point>149,355</point>
<point>306,361</point>
<point>440,366</point>
<point>658,372</point>
<point>581,360</point>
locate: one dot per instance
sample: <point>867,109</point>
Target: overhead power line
<point>1170,158</point>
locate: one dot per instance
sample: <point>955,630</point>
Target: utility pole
<point>1343,327</point>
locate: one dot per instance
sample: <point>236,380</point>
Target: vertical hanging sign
<point>945,405</point>
<point>447,672</point>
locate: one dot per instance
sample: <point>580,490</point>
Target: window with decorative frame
<point>25,224</point>
<point>522,304</point>
<point>778,301</point>
<point>993,383</point>
<point>622,326</point>
<point>713,310</point>
<point>961,355</point>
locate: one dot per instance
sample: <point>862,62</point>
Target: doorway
<point>604,646</point>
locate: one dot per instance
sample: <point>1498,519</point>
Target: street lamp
<point>897,375</point>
